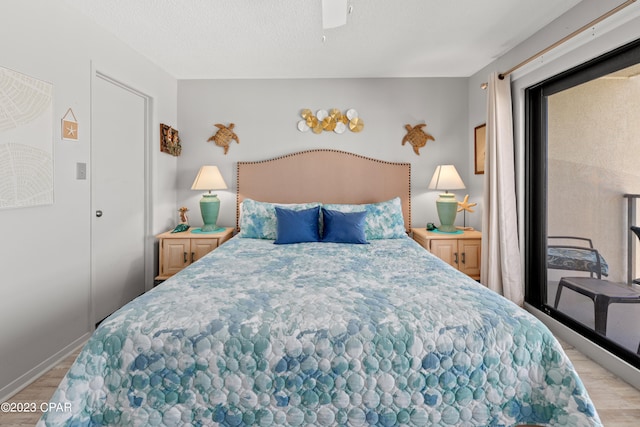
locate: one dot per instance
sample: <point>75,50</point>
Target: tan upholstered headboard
<point>327,176</point>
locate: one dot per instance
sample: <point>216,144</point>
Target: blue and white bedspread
<point>322,334</point>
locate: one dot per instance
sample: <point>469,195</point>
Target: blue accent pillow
<point>344,227</point>
<point>297,226</point>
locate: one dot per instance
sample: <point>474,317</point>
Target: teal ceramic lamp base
<point>210,208</point>
<point>447,206</point>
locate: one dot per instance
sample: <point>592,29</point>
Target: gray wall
<point>45,250</point>
<point>266,113</point>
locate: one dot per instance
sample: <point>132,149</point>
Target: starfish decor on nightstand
<point>466,207</point>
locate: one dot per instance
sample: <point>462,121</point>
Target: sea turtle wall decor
<point>224,136</point>
<point>417,137</point>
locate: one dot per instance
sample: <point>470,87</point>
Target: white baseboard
<point>602,357</point>
<point>33,374</point>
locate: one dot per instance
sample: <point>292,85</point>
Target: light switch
<point>81,171</point>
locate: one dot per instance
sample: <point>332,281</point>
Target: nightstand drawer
<point>462,251</point>
<point>179,250</point>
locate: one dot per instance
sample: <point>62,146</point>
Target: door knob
<point>98,214</point>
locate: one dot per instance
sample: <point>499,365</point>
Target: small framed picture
<point>69,126</point>
<point>480,141</point>
<point>169,140</point>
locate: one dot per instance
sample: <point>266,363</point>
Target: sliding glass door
<point>582,183</point>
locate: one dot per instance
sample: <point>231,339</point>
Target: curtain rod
<point>564,39</point>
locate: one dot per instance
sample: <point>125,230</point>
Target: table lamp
<point>209,178</point>
<point>446,178</point>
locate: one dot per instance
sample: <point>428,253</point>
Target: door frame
<point>536,186</point>
<point>96,73</point>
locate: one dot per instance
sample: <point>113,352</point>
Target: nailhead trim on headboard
<point>406,168</point>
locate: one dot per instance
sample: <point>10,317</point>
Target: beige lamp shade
<point>446,178</point>
<point>209,178</point>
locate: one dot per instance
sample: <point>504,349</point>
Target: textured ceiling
<point>208,39</point>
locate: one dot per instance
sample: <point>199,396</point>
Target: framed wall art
<point>480,142</point>
<point>26,140</point>
<point>169,140</point>
<point>69,126</point>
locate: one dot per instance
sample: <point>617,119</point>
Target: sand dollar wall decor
<point>330,121</point>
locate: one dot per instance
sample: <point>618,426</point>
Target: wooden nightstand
<point>178,250</point>
<point>461,251</point>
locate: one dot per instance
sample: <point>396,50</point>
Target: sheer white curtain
<point>501,266</point>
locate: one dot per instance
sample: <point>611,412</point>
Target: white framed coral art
<point>26,140</point>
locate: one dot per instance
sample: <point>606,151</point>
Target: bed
<point>267,331</point>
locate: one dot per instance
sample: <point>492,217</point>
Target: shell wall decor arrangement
<point>224,136</point>
<point>330,121</point>
<point>416,137</point>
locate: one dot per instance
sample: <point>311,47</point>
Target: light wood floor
<point>38,392</point>
<point>617,402</point>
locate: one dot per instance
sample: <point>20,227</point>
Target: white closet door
<point>117,193</point>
